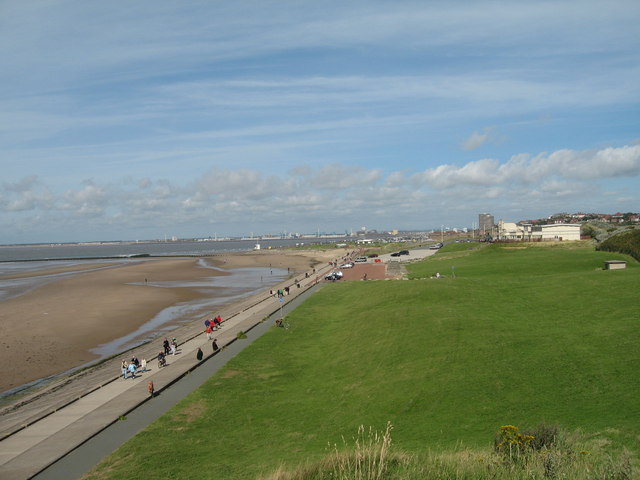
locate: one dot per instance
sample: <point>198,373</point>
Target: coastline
<point>53,328</point>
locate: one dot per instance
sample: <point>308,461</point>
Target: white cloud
<point>476,139</point>
<point>523,169</point>
<point>308,196</point>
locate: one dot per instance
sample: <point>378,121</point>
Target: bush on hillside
<point>627,242</point>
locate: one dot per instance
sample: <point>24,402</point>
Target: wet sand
<point>52,328</point>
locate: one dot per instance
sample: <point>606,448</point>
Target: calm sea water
<point>160,249</point>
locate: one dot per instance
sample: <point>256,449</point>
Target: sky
<point>128,120</point>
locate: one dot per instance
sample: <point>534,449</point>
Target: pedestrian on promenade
<point>143,364</point>
<point>215,345</point>
<point>218,321</point>
<point>173,348</point>
<point>150,388</point>
<point>208,331</point>
<point>199,354</point>
<point>132,369</point>
<point>165,345</point>
<point>123,369</point>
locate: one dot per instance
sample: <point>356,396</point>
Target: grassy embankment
<point>520,336</point>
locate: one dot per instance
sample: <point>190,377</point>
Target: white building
<point>537,233</point>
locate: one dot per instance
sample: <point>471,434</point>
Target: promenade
<point>48,424</point>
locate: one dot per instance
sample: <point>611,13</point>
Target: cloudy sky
<point>140,119</point>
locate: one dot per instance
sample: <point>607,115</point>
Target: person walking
<point>208,331</point>
<point>132,369</point>
<point>199,354</point>
<point>215,345</point>
<point>123,369</point>
<point>143,364</point>
<point>150,388</point>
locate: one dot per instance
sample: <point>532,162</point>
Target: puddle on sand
<point>220,290</point>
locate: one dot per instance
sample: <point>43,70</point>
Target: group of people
<point>281,292</point>
<point>170,347</point>
<point>211,325</point>
<point>131,367</point>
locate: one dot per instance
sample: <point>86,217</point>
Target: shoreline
<point>59,323</point>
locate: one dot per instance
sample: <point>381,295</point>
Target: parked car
<point>395,254</point>
<point>404,252</point>
<point>347,265</point>
<point>373,255</point>
<point>337,275</point>
<point>437,246</point>
<point>361,259</point>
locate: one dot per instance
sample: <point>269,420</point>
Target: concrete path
<point>27,450</point>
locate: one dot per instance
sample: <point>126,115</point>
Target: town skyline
<point>578,217</point>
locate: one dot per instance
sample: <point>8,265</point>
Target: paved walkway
<point>56,421</point>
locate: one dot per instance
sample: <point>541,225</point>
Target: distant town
<point>485,227</point>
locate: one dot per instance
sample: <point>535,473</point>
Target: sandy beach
<point>53,328</point>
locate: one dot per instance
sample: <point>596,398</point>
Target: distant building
<point>485,222</point>
<point>538,233</point>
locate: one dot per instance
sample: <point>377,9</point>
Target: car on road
<point>361,259</point>
<point>395,254</point>
<point>404,252</point>
<point>347,265</point>
<point>437,246</point>
<point>373,255</point>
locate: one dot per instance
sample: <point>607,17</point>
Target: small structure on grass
<point>615,265</point>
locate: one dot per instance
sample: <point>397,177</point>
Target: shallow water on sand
<point>221,290</point>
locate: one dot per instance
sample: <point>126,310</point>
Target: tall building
<point>485,222</point>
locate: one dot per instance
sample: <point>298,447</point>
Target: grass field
<point>519,336</point>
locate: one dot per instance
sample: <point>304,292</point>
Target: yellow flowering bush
<point>511,442</point>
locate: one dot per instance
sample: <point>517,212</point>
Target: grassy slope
<point>446,361</point>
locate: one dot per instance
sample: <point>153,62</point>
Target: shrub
<point>544,437</point>
<point>627,242</point>
<point>511,443</point>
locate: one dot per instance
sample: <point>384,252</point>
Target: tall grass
<point>371,458</point>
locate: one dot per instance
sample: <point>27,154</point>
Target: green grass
<point>520,336</point>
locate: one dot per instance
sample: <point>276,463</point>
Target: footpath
<point>48,424</point>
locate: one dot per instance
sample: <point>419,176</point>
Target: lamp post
<point>441,233</point>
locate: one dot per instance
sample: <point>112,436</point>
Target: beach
<point>59,324</point>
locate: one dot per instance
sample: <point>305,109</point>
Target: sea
<point>56,251</point>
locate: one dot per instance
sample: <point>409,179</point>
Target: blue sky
<point>136,120</point>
